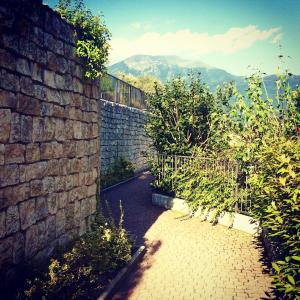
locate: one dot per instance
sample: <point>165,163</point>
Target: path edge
<point>122,274</point>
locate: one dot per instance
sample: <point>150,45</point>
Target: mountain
<point>166,67</point>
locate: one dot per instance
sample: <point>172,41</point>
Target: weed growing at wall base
<point>86,269</point>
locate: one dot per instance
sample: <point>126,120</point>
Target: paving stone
<point>186,258</point>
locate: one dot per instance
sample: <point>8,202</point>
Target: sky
<point>235,35</point>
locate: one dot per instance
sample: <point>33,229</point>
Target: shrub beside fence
<point>173,172</point>
<point>116,90</point>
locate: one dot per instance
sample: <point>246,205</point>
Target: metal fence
<point>116,90</point>
<point>210,167</point>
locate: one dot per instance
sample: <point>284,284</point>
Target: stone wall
<point>49,144</point>
<point>122,134</point>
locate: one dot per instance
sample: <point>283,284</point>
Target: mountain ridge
<point>164,68</point>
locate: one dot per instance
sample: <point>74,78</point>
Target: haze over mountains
<point>166,67</point>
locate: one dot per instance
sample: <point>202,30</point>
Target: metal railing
<point>210,167</point>
<point>116,90</point>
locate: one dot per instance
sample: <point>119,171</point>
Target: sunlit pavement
<point>186,258</point>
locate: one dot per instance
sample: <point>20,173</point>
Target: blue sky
<point>227,34</point>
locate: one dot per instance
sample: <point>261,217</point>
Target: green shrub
<point>92,36</point>
<point>120,170</point>
<point>84,270</point>
<point>179,113</point>
<point>275,186</point>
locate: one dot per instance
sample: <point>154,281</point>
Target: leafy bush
<point>206,184</point>
<point>120,170</point>
<point>92,36</point>
<point>275,188</point>
<point>84,270</point>
<point>179,113</point>
<point>262,135</point>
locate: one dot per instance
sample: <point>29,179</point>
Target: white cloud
<point>277,38</point>
<point>190,44</point>
<point>136,25</point>
<point>141,25</point>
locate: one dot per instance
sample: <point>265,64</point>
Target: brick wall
<point>122,134</point>
<point>48,134</point>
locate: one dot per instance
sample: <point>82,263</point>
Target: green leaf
<point>295,257</point>
<point>275,267</point>
<point>291,279</point>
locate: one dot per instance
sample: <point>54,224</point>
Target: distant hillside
<point>166,67</point>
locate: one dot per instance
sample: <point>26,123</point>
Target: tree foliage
<point>262,135</point>
<point>92,35</point>
<point>145,83</point>
<point>179,114</point>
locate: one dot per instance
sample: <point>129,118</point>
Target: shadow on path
<point>139,213</point>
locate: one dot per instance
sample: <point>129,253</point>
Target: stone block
<point>18,247</point>
<point>27,213</point>
<point>77,85</point>
<point>70,213</point>
<point>50,229</point>
<point>9,175</point>
<point>62,200</point>
<point>77,129</point>
<point>48,185</point>
<point>41,208</point>
<point>14,153</point>
<point>51,150</point>
<point>42,234</point>
<point>60,220</point>
<point>43,129</point>
<point>70,149</point>
<point>5,125</point>
<point>26,86</point>
<point>37,72</point>
<point>77,212</point>
<point>52,61</point>
<point>52,168</point>
<point>59,111</point>
<point>2,224</point>
<point>6,251</point>
<point>12,195</point>
<point>46,109</point>
<point>32,152</point>
<point>12,219</point>
<point>49,78</point>
<point>27,105</point>
<point>23,66</point>
<point>8,99</point>
<point>7,60</point>
<point>91,190</point>
<point>32,171</point>
<point>59,81</point>
<point>2,149</point>
<point>31,241</point>
<point>39,92</point>
<point>26,129</point>
<point>59,183</point>
<point>36,188</point>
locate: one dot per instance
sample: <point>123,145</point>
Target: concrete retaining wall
<point>233,220</point>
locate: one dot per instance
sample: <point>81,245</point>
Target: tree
<point>92,36</point>
<point>179,115</point>
<point>146,83</point>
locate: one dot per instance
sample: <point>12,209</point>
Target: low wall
<point>122,134</point>
<point>49,141</point>
<point>232,220</point>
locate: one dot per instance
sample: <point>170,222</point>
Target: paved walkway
<point>186,258</point>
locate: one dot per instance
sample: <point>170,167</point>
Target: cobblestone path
<point>186,258</point>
